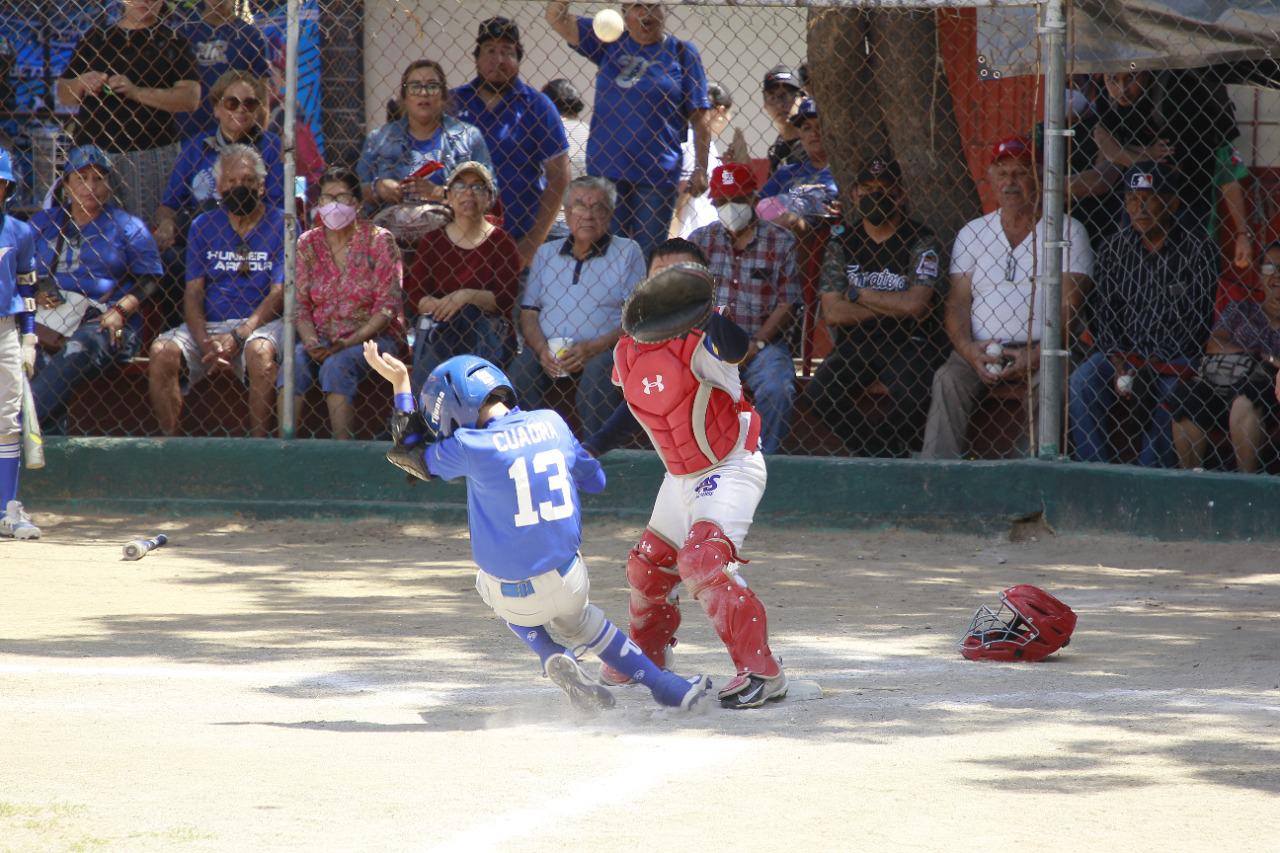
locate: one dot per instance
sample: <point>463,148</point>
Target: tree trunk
<point>877,77</point>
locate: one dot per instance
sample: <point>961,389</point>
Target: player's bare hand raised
<point>388,367</point>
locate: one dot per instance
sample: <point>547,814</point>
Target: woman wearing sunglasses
<point>239,106</point>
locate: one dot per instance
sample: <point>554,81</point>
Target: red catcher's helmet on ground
<point>1029,625</point>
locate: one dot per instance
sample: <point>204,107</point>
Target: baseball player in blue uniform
<point>523,473</point>
<point>17,352</point>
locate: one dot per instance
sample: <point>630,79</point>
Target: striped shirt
<point>1157,305</point>
<point>752,282</point>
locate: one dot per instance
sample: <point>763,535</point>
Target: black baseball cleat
<point>748,690</point>
<point>585,694</point>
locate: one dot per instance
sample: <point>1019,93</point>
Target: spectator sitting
<point>348,282</point>
<point>881,283</point>
<point>395,153</point>
<point>235,277</point>
<point>104,264</point>
<point>574,300</point>
<point>221,41</point>
<point>783,93</point>
<point>1150,307</point>
<point>754,264</point>
<point>1185,120</point>
<point>524,134</point>
<point>128,80</point>
<point>650,89</point>
<point>800,193</point>
<point>693,212</point>
<point>1242,403</point>
<point>565,98</point>
<point>463,280</point>
<point>989,298</point>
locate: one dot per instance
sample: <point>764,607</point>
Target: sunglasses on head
<point>231,104</point>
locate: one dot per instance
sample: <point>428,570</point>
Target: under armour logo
<point>650,386</point>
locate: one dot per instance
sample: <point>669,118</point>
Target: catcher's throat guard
<point>1029,625</point>
<point>669,304</point>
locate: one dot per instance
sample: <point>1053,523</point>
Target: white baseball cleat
<point>16,524</point>
<point>585,694</point>
<point>699,688</point>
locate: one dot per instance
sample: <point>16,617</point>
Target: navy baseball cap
<point>498,28</point>
<point>883,169</point>
<point>85,156</point>
<point>782,75</point>
<point>1150,177</point>
<point>807,110</point>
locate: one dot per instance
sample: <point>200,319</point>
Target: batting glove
<point>28,344</point>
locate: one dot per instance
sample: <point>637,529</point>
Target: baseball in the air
<point>1124,383</point>
<point>608,25</point>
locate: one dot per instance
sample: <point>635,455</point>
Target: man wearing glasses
<point>524,133</point>
<point>571,310</point>
<point>1150,311</point>
<point>234,290</point>
<point>988,311</point>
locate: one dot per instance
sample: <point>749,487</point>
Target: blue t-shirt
<point>109,251</point>
<point>216,253</point>
<point>523,474</point>
<point>523,131</point>
<point>191,184</point>
<point>797,175</point>
<point>644,97</point>
<point>17,257</point>
<point>237,44</point>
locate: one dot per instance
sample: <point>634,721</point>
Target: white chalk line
<point>681,756</point>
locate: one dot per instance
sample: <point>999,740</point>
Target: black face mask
<point>240,201</point>
<point>876,208</point>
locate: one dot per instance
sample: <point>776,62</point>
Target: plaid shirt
<point>752,282</point>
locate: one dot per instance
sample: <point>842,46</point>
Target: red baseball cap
<point>1016,147</point>
<point>733,181</point>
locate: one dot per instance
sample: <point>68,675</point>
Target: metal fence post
<point>1053,353</point>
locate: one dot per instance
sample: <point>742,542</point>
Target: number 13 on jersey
<point>555,486</point>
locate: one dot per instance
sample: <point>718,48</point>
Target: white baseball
<point>994,349</point>
<point>608,25</point>
<point>994,369</point>
<point>1124,383</point>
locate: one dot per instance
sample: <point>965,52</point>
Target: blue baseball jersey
<point>17,257</point>
<point>191,183</point>
<point>523,474</point>
<point>236,44</point>
<point>645,94</point>
<point>238,272</point>
<point>799,174</point>
<point>100,259</point>
<point>523,131</point>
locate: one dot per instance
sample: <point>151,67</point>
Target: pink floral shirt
<point>339,302</point>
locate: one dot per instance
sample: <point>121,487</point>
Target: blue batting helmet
<point>454,392</point>
<point>6,165</point>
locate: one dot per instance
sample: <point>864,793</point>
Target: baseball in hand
<point>994,349</point>
<point>608,25</point>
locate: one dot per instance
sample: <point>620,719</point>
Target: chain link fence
<point>865,183</point>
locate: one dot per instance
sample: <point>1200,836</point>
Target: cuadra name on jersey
<point>523,436</point>
<point>228,261</point>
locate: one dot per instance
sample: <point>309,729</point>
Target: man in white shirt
<point>989,314</point>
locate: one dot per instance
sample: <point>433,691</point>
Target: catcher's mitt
<point>410,222</point>
<point>670,304</point>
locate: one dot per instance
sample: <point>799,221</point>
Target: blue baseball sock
<point>625,656</point>
<point>10,459</point>
<point>539,640</point>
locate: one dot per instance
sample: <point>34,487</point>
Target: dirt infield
<point>318,686</point>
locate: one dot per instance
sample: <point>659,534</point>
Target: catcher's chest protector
<point>676,393</point>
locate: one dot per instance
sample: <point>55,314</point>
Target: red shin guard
<point>655,616</point>
<point>734,610</point>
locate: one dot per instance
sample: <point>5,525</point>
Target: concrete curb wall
<point>179,477</point>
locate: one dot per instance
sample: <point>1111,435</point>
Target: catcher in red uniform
<point>677,365</point>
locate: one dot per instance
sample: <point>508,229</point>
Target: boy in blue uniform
<point>17,353</point>
<point>523,472</point>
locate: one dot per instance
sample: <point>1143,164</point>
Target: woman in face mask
<point>348,282</point>
<point>463,280</point>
